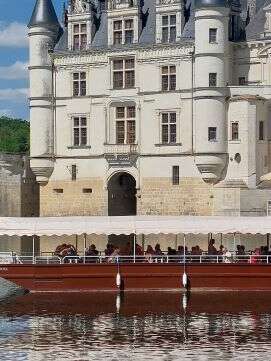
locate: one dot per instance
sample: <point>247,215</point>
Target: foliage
<point>14,135</point>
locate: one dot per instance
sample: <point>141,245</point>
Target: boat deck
<point>45,273</point>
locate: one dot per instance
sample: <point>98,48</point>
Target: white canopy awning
<point>49,226</point>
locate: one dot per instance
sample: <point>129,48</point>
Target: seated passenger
<point>212,251</point>
<point>221,250</point>
<point>127,250</point>
<point>109,249</point>
<point>227,256</point>
<point>180,250</point>
<point>149,253</point>
<point>138,250</point>
<point>114,255</point>
<point>59,249</point>
<point>169,251</point>
<point>92,251</point>
<point>242,250</point>
<point>69,253</point>
<point>255,256</point>
<point>157,250</point>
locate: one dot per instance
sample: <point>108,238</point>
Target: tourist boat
<point>182,272</point>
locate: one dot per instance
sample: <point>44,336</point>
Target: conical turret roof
<point>44,15</point>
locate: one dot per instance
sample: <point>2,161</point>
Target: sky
<point>14,84</point>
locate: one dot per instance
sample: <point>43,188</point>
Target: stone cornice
<point>245,97</point>
<point>142,53</point>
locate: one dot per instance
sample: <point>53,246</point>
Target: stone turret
<point>211,77</point>
<point>44,31</point>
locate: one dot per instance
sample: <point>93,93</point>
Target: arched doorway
<point>122,195</point>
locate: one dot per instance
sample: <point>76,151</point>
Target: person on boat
<point>60,249</point>
<point>212,251</point>
<point>227,256</point>
<point>127,250</point>
<point>114,255</point>
<point>109,249</point>
<point>138,250</point>
<point>157,250</point>
<point>92,253</point>
<point>180,250</point>
<point>69,253</point>
<point>171,252</point>
<point>149,254</point>
<point>221,250</point>
<point>255,258</point>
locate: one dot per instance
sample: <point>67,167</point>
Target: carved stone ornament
<point>167,2</point>
<point>79,6</point>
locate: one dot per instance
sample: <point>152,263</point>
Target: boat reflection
<point>165,325</point>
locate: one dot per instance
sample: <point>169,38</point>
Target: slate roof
<point>255,28</point>
<point>147,37</point>
<point>44,15</point>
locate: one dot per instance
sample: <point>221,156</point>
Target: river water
<point>136,326</point>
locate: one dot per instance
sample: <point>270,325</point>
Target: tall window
<point>212,79</point>
<point>169,128</point>
<point>125,125</point>
<point>212,36</point>
<point>123,73</point>
<point>168,28</point>
<point>79,131</point>
<point>128,31</point>
<point>79,84</point>
<point>80,36</point>
<point>235,131</point>
<point>261,130</point>
<point>169,77</point>
<point>74,172</point>
<point>123,31</point>
<point>175,175</point>
<point>212,134</point>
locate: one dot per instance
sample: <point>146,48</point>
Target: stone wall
<point>19,197</point>
<point>191,197</point>
<point>86,197</point>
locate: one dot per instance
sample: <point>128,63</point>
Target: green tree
<point>14,135</point>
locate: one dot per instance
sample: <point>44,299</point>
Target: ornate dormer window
<point>169,20</point>
<point>123,31</point>
<point>81,28</point>
<point>121,4</point>
<point>169,28</point>
<point>79,6</point>
<point>80,36</point>
<point>267,24</point>
<point>123,22</point>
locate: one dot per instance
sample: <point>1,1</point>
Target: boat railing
<point>251,259</point>
<point>118,259</point>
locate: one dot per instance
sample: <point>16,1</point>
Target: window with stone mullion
<point>169,128</point>
<point>123,73</point>
<point>129,31</point>
<point>169,78</point>
<point>80,36</point>
<point>79,131</point>
<point>79,84</point>
<point>123,31</point>
<point>125,125</point>
<point>117,32</point>
<point>168,28</point>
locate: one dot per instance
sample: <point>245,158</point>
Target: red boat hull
<point>92,277</point>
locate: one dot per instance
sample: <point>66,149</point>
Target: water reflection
<point>136,326</point>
